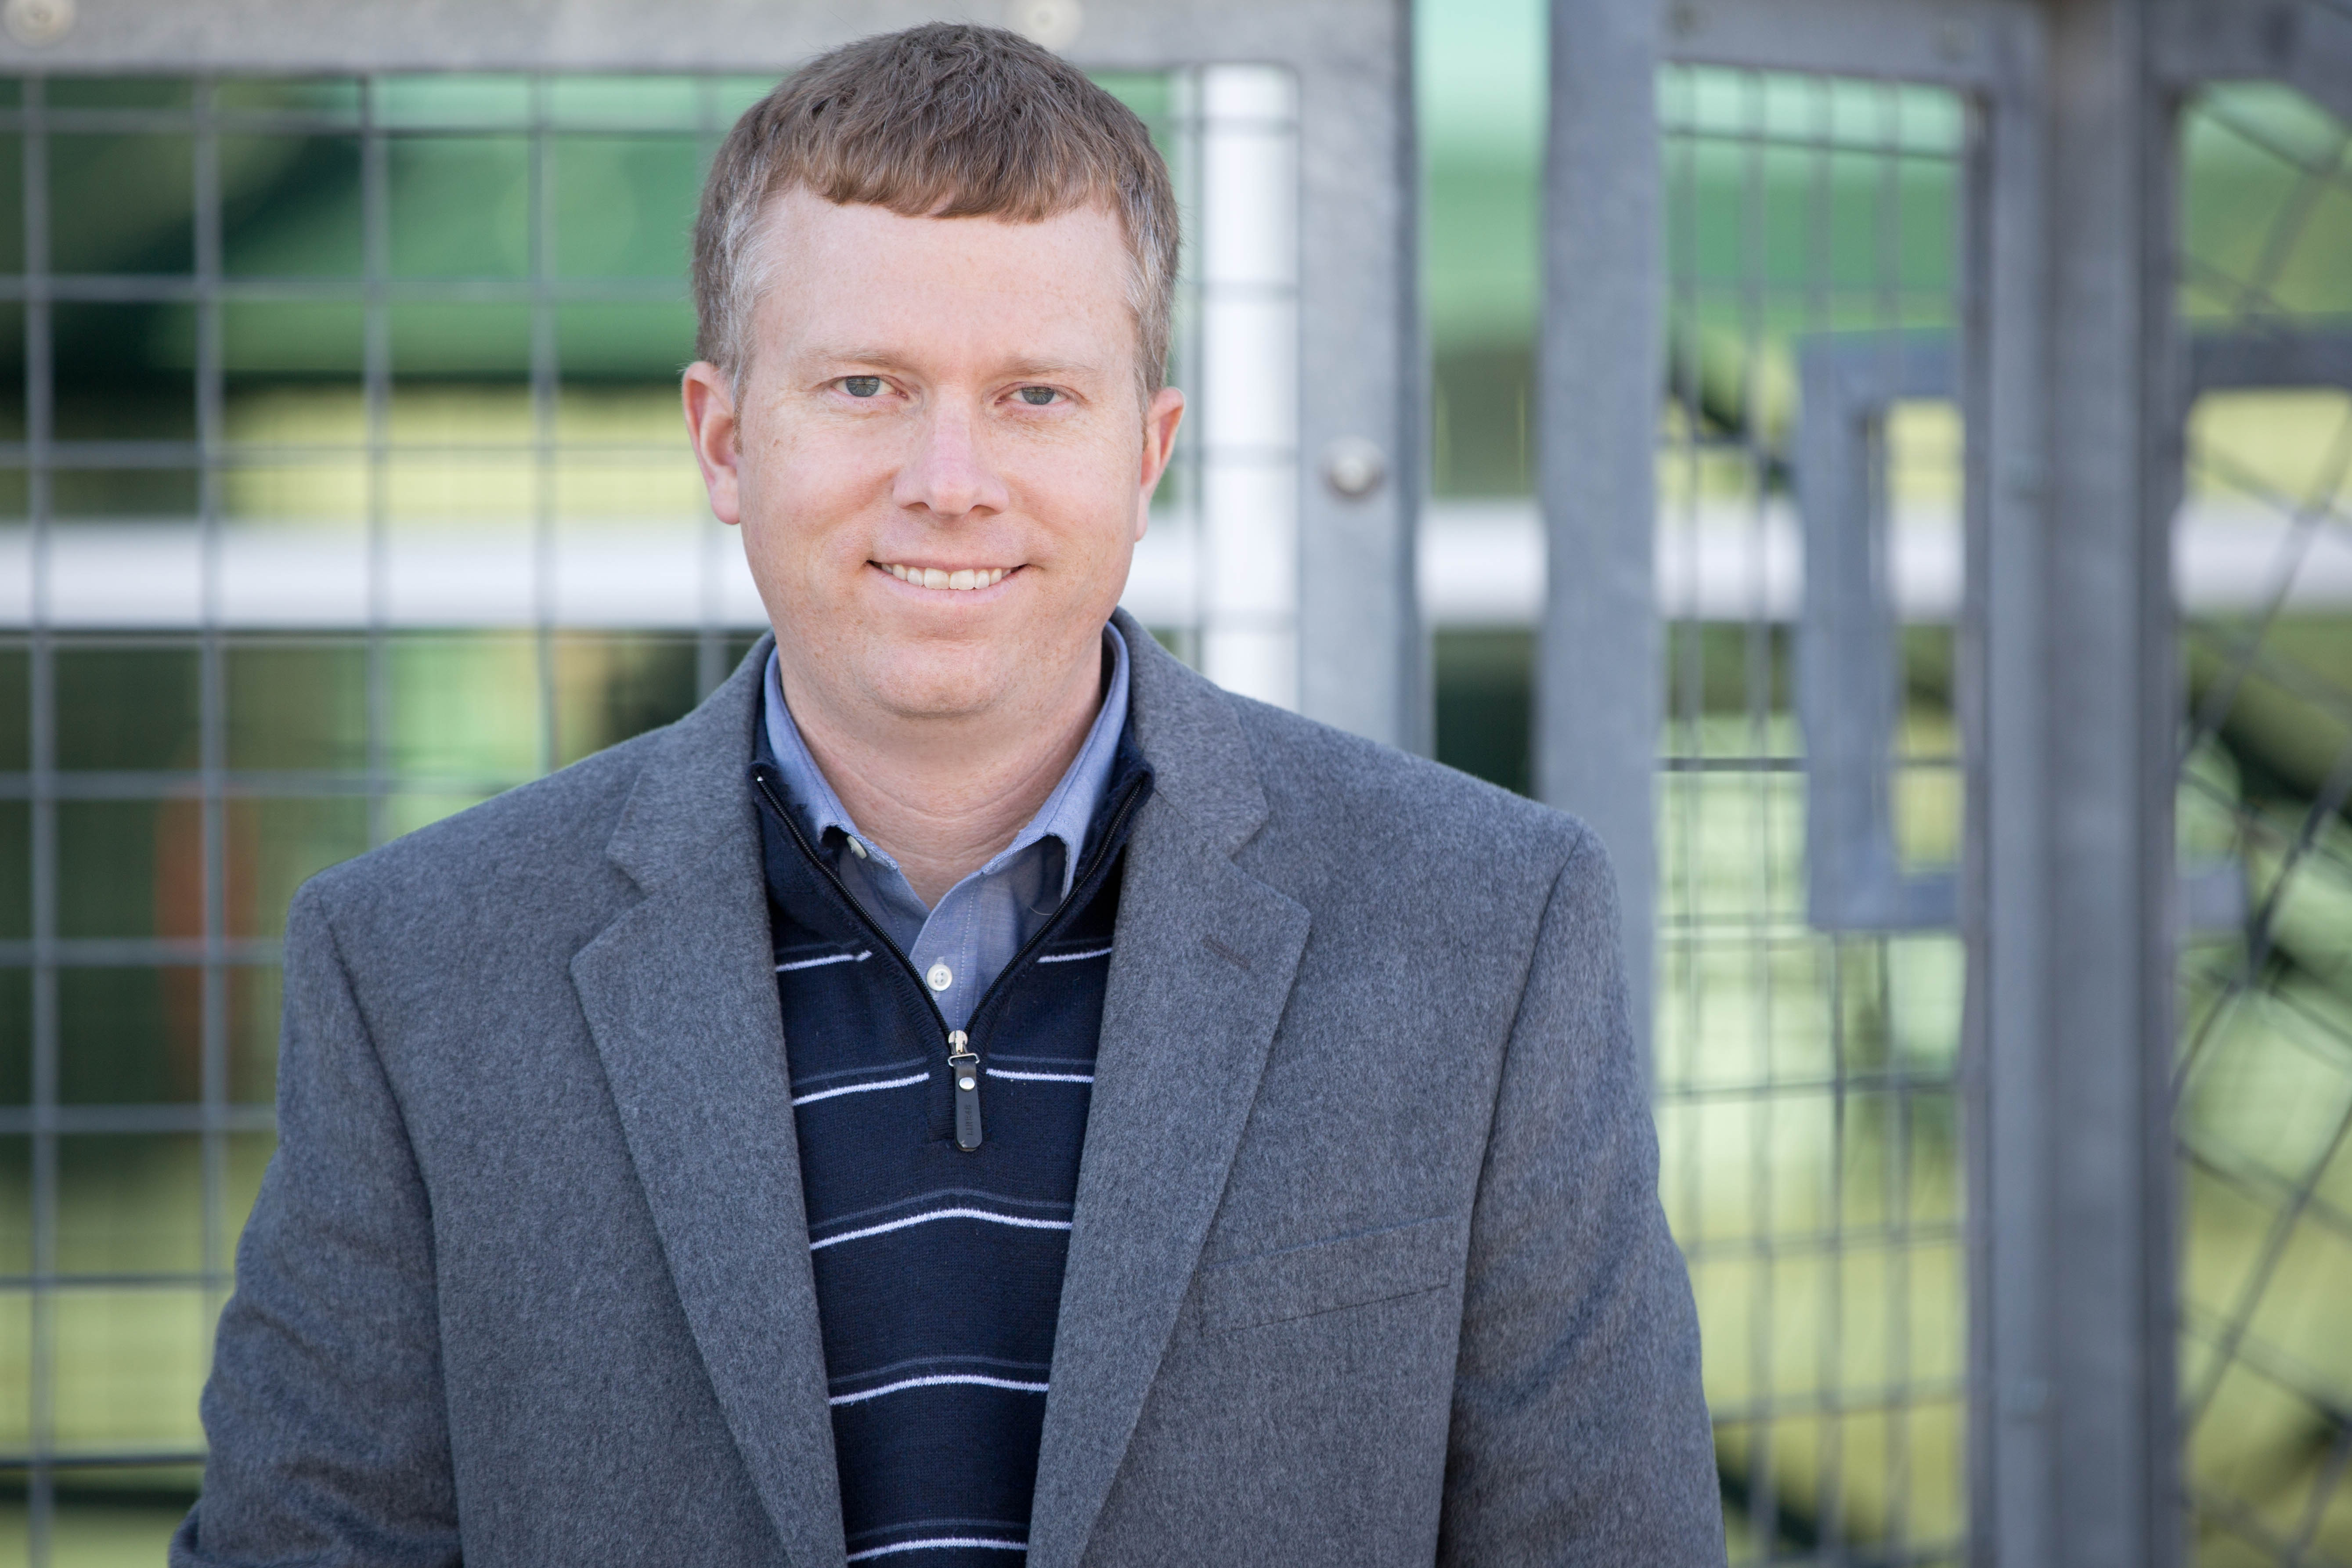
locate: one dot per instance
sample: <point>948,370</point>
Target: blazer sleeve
<point>324,1410</point>
<point>1579,1431</point>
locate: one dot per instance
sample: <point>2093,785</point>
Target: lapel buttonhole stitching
<point>1227,953</point>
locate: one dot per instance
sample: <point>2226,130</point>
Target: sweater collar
<point>1066,815</point>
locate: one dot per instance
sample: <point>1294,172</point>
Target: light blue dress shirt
<point>962,946</point>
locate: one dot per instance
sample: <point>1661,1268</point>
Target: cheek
<point>813,485</point>
<point>1087,488</point>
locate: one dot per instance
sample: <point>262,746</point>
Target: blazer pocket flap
<point>1327,1276</point>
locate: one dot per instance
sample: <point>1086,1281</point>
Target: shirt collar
<point>1066,814</point>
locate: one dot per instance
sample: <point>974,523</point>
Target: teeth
<point>961,582</point>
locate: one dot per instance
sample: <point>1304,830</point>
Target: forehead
<point>837,275</point>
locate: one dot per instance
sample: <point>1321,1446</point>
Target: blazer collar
<point>1188,732</point>
<point>1201,969</point>
<point>680,995</point>
<point>1185,727</point>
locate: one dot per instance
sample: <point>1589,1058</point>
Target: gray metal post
<point>2005,863</point>
<point>2075,1436</point>
<point>1359,634</point>
<point>1598,388</point>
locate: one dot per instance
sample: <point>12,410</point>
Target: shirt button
<point>857,849</point>
<point>941,977</point>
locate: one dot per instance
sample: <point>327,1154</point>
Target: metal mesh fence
<point>1806,1081</point>
<point>334,399</point>
<point>343,484</point>
<point>342,487</point>
<point>2263,551</point>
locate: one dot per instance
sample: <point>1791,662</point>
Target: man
<point>972,1088</point>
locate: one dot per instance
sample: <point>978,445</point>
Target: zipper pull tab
<point>963,1070</point>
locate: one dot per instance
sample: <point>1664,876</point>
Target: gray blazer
<point>1368,1264</point>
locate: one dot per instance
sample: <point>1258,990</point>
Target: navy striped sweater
<point>938,1271</point>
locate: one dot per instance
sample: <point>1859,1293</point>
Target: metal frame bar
<point>2228,362</point>
<point>2307,44</point>
<point>41,672</point>
<point>1848,654</point>
<point>2109,653</point>
<point>1599,370</point>
<point>2071,862</point>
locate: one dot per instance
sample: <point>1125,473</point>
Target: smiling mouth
<point>962,581</point>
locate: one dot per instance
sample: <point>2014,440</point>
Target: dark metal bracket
<point>1848,655</point>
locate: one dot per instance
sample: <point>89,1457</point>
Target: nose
<point>949,473</point>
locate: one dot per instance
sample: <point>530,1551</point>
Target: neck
<point>942,796</point>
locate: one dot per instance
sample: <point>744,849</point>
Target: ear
<point>1159,423</point>
<point>709,399</point>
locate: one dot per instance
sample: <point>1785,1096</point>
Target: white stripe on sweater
<point>1072,957</point>
<point>933,1381</point>
<point>821,963</point>
<point>1039,1077</point>
<point>940,1214</point>
<point>938,1544</point>
<point>811,1099</point>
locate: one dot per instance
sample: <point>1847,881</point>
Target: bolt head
<point>1354,468</point>
<point>36,23</point>
<point>1051,24</point>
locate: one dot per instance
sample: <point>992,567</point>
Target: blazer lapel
<point>680,996</point>
<point>1201,969</point>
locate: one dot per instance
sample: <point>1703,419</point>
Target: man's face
<point>938,460</point>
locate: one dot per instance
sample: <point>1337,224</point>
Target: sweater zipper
<point>1083,887</point>
<point>964,1068</point>
<point>964,1062</point>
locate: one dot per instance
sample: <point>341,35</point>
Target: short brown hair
<point>942,121</point>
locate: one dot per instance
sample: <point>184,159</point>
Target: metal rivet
<point>1354,466</point>
<point>941,977</point>
<point>963,1083</point>
<point>38,22</point>
<point>1052,24</point>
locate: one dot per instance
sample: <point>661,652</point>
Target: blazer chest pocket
<point>1328,1276</point>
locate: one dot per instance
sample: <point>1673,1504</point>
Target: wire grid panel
<point>311,372</point>
<point>1219,569</point>
<point>346,486</point>
<point>1806,1082</point>
<point>2264,1070</point>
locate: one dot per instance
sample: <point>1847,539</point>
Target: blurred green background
<point>1810,1119</point>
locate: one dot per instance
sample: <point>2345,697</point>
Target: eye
<point>861,385</point>
<point>1037,396</point>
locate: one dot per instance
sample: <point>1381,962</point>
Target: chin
<point>937,682</point>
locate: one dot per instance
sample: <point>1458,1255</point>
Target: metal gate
<point>1961,940</point>
<point>391,511</point>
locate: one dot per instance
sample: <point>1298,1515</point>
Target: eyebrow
<point>883,359</point>
<point>1042,369</point>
